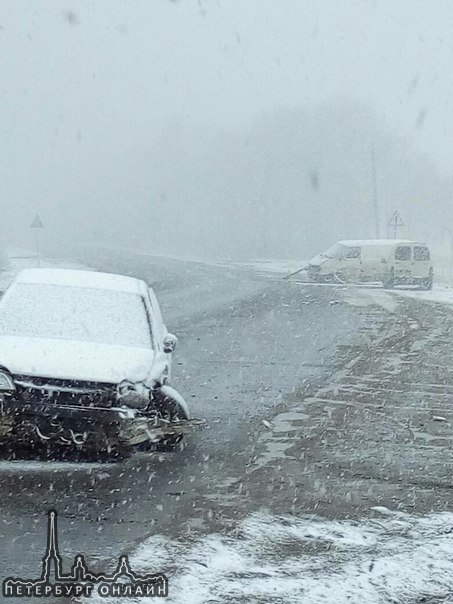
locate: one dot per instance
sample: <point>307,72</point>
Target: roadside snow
<point>369,296</point>
<point>439,293</point>
<point>395,558</point>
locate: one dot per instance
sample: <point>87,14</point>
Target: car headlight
<point>6,382</point>
<point>133,395</point>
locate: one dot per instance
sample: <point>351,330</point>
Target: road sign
<point>396,222</point>
<point>37,223</point>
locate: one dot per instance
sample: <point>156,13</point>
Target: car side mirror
<point>170,342</point>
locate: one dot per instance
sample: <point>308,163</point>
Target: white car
<point>85,361</point>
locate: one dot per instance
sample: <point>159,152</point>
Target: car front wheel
<point>172,407</point>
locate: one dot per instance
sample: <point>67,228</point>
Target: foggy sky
<point>113,111</point>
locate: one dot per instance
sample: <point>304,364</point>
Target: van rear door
<point>403,261</point>
<point>421,262</point>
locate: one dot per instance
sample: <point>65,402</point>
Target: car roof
<point>377,242</point>
<point>81,278</point>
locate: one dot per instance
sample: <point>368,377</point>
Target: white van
<point>392,261</point>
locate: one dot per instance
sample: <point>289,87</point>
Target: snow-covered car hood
<point>73,360</point>
<point>317,260</point>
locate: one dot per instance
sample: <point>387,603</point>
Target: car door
<point>351,264</point>
<point>403,261</point>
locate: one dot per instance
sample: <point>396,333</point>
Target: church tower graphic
<point>52,556</point>
<point>52,568</point>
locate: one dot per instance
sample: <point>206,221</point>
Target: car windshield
<point>75,313</point>
<point>336,251</point>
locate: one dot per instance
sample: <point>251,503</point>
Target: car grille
<point>70,392</point>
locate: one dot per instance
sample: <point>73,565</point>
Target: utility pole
<point>37,225</point>
<point>377,230</point>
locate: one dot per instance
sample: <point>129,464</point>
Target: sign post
<point>37,225</point>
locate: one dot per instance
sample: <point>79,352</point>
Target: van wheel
<point>389,281</point>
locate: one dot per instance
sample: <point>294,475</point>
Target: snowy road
<point>331,370</point>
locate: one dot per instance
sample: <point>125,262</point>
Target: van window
<point>421,253</point>
<point>351,252</point>
<point>403,253</point>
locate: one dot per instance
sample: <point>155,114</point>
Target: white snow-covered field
<point>280,267</point>
<point>391,557</point>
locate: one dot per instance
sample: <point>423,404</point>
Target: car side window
<point>351,252</point>
<point>149,319</point>
<point>421,253</point>
<point>403,253</point>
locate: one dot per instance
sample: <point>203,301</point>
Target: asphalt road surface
<point>251,346</point>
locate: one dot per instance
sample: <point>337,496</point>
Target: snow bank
<point>369,296</point>
<point>439,293</point>
<point>393,558</point>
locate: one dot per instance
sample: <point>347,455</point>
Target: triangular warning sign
<point>37,223</point>
<point>395,220</point>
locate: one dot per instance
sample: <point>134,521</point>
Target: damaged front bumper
<point>92,427</point>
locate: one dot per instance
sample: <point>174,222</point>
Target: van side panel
<point>374,261</point>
